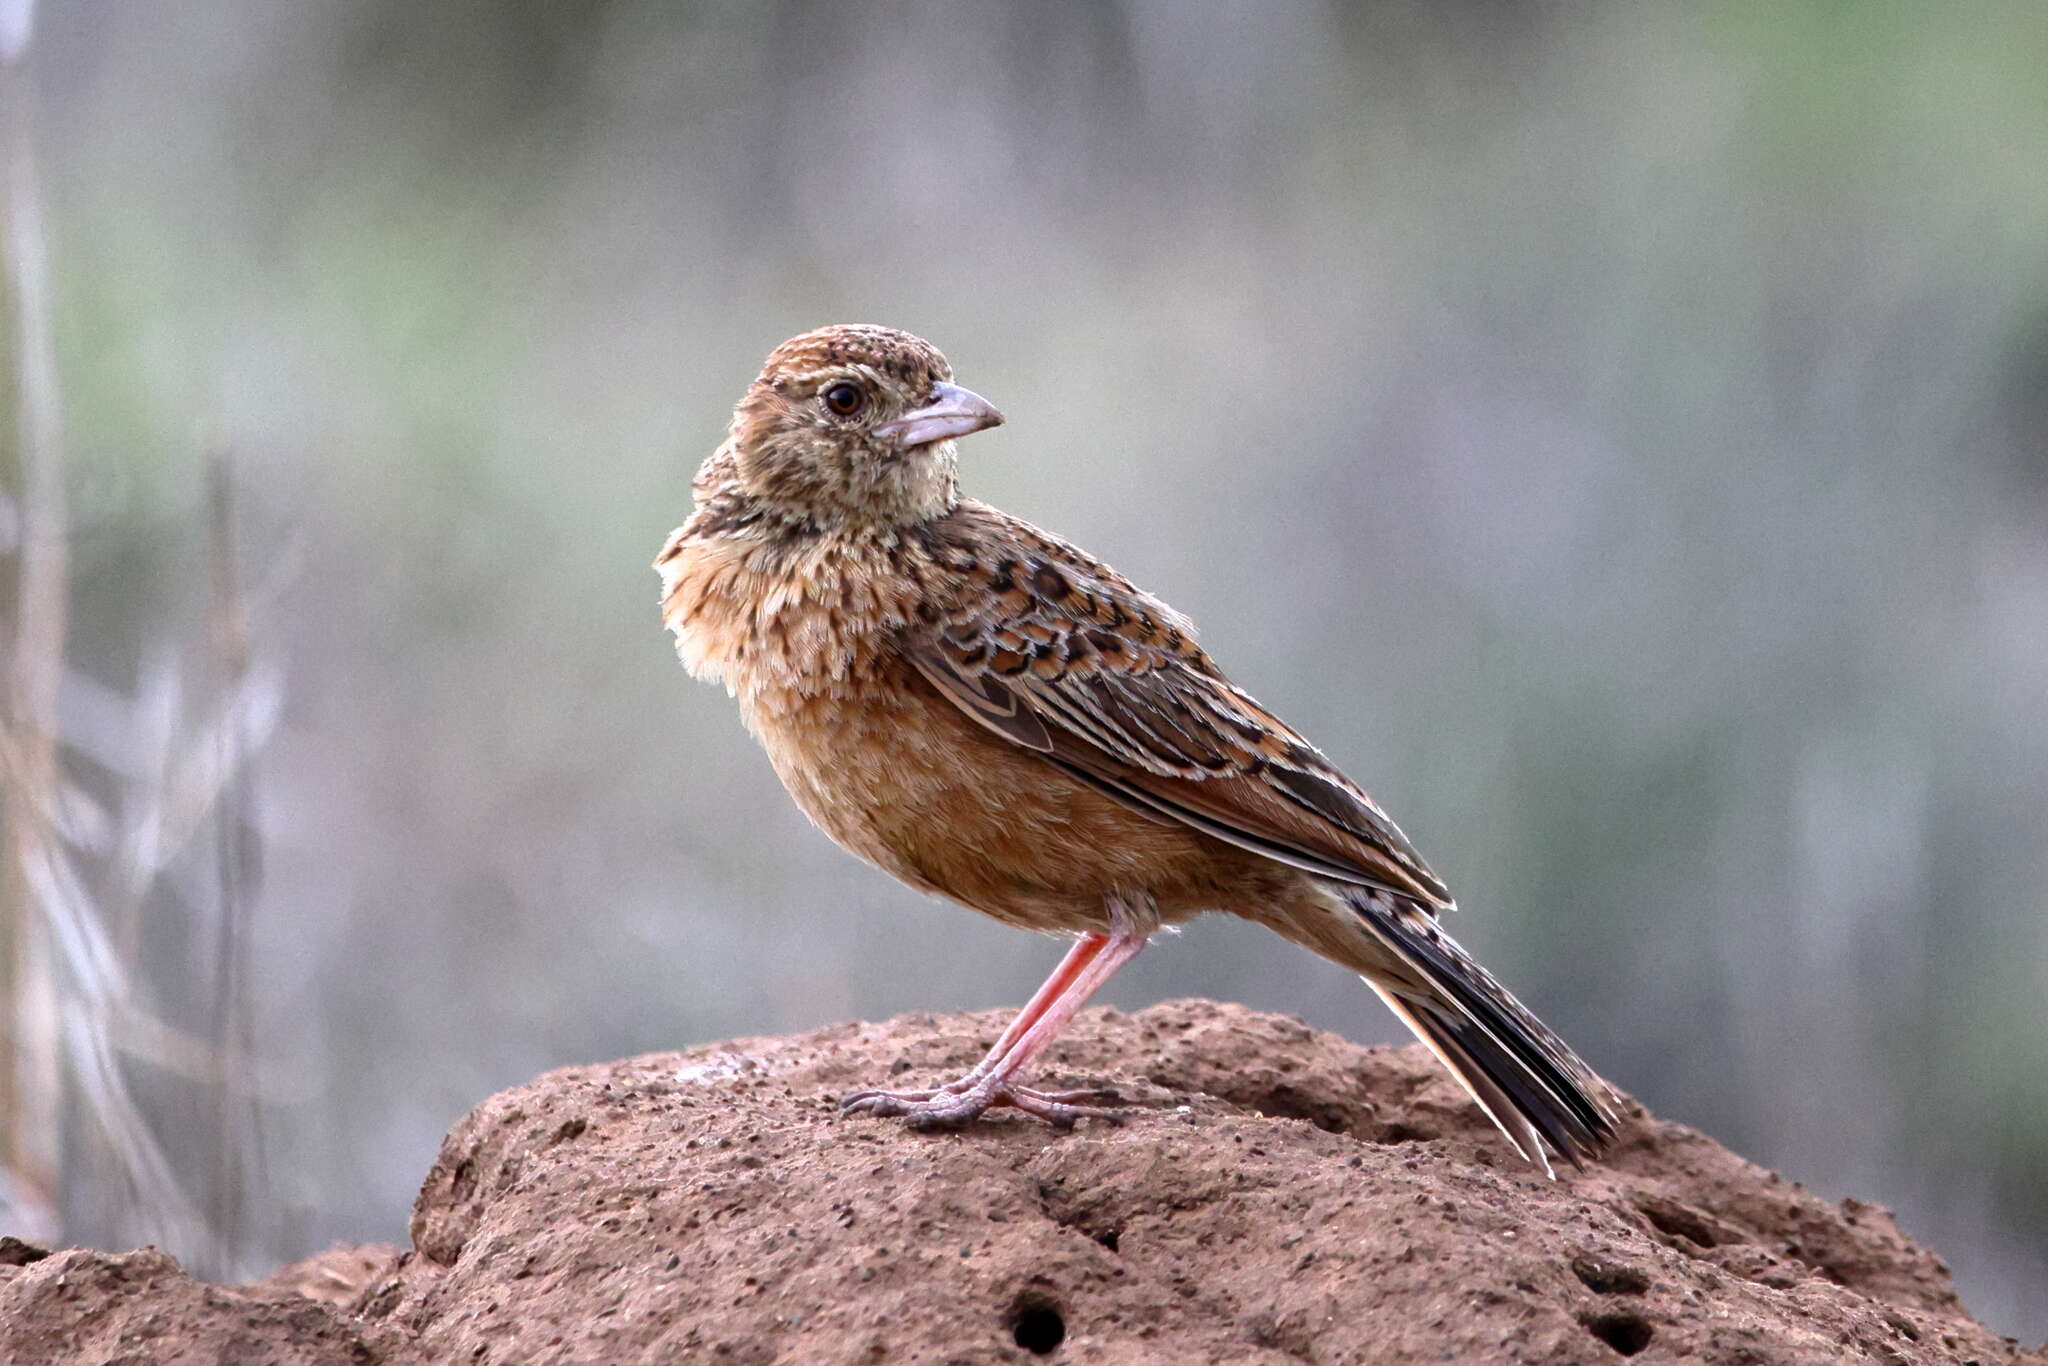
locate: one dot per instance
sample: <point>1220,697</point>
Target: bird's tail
<point>1525,1078</point>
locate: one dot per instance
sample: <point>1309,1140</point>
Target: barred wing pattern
<point>1058,653</point>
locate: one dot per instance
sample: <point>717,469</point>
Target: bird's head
<point>853,427</point>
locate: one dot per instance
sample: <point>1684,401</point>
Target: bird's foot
<point>960,1103</point>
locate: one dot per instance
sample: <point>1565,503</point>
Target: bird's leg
<point>993,1082</point>
<point>1078,957</point>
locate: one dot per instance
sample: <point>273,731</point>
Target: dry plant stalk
<point>237,1146</point>
<point>31,1081</point>
<point>74,878</point>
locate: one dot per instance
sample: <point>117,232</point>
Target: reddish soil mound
<point>1294,1198</point>
<point>139,1309</point>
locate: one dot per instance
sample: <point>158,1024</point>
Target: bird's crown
<point>908,360</point>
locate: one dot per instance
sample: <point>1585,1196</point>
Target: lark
<point>994,716</point>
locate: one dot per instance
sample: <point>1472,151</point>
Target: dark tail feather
<point>1523,1076</point>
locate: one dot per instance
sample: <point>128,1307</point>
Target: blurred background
<point>1614,433</point>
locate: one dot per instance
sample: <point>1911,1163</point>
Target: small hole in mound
<point>1625,1333</point>
<point>1290,1102</point>
<point>1109,1238</point>
<point>1609,1278</point>
<point>1038,1326</point>
<point>1678,1221</point>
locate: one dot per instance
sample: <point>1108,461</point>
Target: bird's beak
<point>952,412</point>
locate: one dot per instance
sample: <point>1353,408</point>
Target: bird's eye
<point>845,398</point>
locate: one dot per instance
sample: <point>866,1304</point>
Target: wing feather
<point>1056,652</point>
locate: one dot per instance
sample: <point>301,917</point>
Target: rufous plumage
<point>994,716</point>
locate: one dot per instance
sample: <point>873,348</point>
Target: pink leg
<point>993,1081</point>
<point>1078,957</point>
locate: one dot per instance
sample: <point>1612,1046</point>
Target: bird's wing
<point>1057,653</point>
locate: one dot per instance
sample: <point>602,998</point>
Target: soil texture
<point>1281,1196</point>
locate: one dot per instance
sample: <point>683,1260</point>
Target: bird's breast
<point>779,625</point>
<point>897,774</point>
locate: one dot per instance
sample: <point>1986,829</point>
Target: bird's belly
<point>898,776</point>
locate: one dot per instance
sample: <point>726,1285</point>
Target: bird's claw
<point>959,1104</point>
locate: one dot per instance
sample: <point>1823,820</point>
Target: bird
<point>996,717</point>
